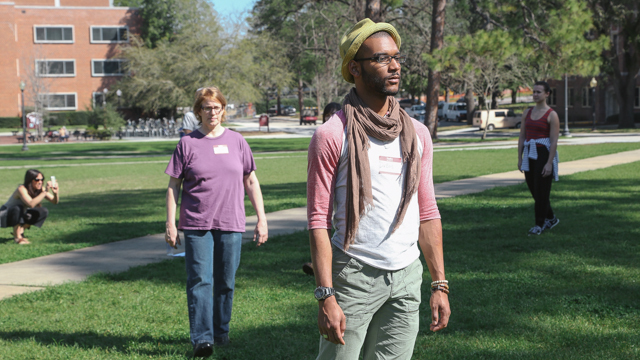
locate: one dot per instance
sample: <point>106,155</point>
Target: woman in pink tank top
<point>537,156</point>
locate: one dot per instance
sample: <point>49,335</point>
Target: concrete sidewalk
<point>33,274</point>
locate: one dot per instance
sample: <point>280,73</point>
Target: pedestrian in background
<point>24,207</point>
<point>371,165</point>
<point>538,140</point>
<point>215,167</point>
<point>189,124</point>
<point>329,110</point>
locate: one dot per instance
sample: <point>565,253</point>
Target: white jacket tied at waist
<point>531,152</point>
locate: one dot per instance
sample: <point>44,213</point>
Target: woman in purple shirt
<point>215,167</point>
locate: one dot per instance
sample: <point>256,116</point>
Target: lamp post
<point>119,93</point>
<point>593,83</point>
<point>566,132</point>
<point>104,97</point>
<point>24,119</point>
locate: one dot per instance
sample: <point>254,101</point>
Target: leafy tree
<point>202,53</point>
<point>620,20</point>
<point>482,59</point>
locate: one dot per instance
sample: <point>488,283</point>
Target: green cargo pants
<point>381,308</point>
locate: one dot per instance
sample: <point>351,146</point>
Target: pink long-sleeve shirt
<point>326,193</point>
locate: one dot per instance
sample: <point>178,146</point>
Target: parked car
<point>288,110</point>
<point>407,103</point>
<point>273,110</point>
<point>498,118</point>
<point>452,111</point>
<point>417,111</point>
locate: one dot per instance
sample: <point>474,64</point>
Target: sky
<point>230,7</point>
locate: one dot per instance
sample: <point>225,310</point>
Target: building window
<point>552,99</point>
<point>56,68</point>
<point>107,67</point>
<point>571,98</point>
<point>109,34</point>
<point>587,100</point>
<point>98,99</point>
<point>637,97</point>
<point>58,101</point>
<point>53,34</point>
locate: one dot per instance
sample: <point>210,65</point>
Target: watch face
<point>318,293</point>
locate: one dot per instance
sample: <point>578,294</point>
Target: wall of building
<point>20,50</point>
<point>581,110</point>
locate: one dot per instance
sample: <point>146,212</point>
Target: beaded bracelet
<point>439,288</point>
<point>439,282</point>
<point>441,285</point>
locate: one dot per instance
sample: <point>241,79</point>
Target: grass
<point>110,202</point>
<point>570,293</point>
<point>127,148</point>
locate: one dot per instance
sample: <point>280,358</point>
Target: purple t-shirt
<point>212,171</point>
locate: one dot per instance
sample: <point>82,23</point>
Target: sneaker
<point>536,230</point>
<point>550,223</point>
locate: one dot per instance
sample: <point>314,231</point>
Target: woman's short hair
<point>545,85</point>
<point>209,93</point>
<point>29,176</point>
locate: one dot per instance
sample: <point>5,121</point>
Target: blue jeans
<point>212,258</point>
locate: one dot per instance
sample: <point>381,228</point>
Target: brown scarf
<point>361,123</point>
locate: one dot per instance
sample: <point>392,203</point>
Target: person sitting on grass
<point>24,207</point>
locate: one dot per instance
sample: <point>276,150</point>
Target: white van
<point>452,111</point>
<point>498,118</point>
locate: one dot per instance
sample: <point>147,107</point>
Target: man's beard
<point>378,84</point>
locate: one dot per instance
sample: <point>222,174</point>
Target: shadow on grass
<point>92,340</point>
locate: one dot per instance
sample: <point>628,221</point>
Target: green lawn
<point>571,293</point>
<point>124,198</point>
<point>129,148</point>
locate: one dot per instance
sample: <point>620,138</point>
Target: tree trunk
<point>373,10</point>
<point>625,64</point>
<point>494,99</point>
<point>300,99</point>
<point>318,103</point>
<point>446,94</point>
<point>278,99</point>
<point>433,86</point>
<point>514,95</point>
<point>471,104</point>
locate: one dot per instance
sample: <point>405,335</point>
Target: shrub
<point>10,122</point>
<point>106,116</point>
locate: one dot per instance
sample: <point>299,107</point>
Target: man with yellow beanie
<point>370,178</point>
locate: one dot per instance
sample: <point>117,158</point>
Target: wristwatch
<point>322,292</point>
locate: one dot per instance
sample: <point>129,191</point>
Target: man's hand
<point>520,164</point>
<point>440,311</point>
<point>331,320</point>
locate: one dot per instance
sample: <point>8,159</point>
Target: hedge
<point>69,118</point>
<point>10,122</point>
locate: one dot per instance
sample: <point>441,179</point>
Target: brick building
<point>581,99</point>
<point>64,50</point>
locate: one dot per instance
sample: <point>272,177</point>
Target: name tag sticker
<point>220,149</point>
<point>390,165</point>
